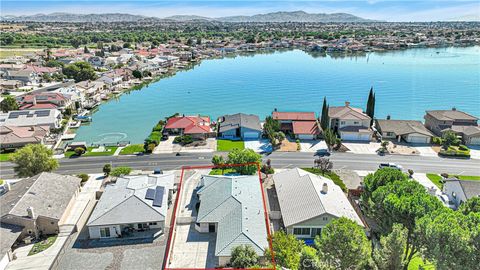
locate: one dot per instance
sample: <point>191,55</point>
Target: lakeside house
<point>44,100</point>
<point>303,125</point>
<point>459,191</point>
<point>239,126</point>
<point>196,126</point>
<point>350,123</point>
<point>322,201</point>
<point>132,205</point>
<point>27,118</point>
<point>232,208</point>
<point>35,207</point>
<point>12,137</point>
<point>463,124</point>
<point>407,130</point>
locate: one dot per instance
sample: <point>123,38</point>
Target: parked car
<point>390,165</point>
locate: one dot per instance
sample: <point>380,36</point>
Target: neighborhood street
<point>279,160</point>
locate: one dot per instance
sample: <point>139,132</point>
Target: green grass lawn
<point>228,145</point>
<point>42,245</point>
<point>132,149</point>
<point>219,171</point>
<point>467,177</point>
<point>1,181</point>
<point>333,176</point>
<point>417,262</point>
<point>110,150</point>
<point>5,156</point>
<point>435,178</point>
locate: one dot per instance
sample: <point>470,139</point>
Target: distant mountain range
<point>294,16</point>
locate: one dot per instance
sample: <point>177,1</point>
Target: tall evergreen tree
<point>324,119</point>
<point>370,110</point>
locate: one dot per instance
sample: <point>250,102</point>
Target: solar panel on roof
<point>158,196</point>
<point>42,113</point>
<point>150,194</point>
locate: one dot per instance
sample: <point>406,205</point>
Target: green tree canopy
<point>389,255</point>
<point>471,205</point>
<point>8,104</point>
<point>343,244</point>
<point>449,138</point>
<point>309,259</point>
<point>380,178</point>
<point>33,159</point>
<point>243,256</point>
<point>80,71</point>
<point>237,156</point>
<point>287,249</point>
<point>325,120</point>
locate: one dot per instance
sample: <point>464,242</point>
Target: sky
<point>387,10</point>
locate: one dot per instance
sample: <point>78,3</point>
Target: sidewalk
<point>44,260</point>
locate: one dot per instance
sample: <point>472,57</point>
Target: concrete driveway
<point>259,146</point>
<point>362,147</point>
<point>474,151</point>
<point>312,145</point>
<point>425,150</point>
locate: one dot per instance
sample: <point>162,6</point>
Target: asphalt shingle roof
<point>451,115</point>
<point>347,112</point>
<point>403,127</point>
<point>235,121</point>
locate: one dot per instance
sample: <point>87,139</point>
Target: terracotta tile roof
<point>190,124</point>
<point>305,127</point>
<point>299,116</point>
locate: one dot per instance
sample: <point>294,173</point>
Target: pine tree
<point>324,119</point>
<point>370,110</point>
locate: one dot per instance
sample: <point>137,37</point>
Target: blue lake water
<point>406,84</point>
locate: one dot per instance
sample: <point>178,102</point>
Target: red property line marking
<point>173,223</point>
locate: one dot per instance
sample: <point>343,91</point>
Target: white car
<point>390,165</point>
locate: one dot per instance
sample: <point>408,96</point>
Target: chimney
<point>324,188</point>
<point>347,103</point>
<point>388,117</point>
<point>30,212</point>
<point>8,187</point>
<point>454,109</point>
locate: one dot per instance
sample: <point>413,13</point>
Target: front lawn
<point>5,156</point>
<point>435,178</point>
<point>42,245</point>
<point>468,177</point>
<point>219,171</point>
<point>132,149</point>
<point>228,145</point>
<point>109,151</point>
<point>455,151</point>
<point>331,175</point>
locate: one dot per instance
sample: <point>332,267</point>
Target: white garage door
<point>250,135</point>
<point>418,139</point>
<point>475,140</point>
<point>355,137</point>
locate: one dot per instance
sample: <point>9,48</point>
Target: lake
<point>406,84</point>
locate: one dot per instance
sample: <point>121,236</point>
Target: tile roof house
<point>196,126</point>
<point>44,100</point>
<point>239,126</point>
<point>16,137</point>
<point>350,123</point>
<point>38,205</point>
<point>410,131</point>
<point>321,201</point>
<point>50,118</point>
<point>132,203</point>
<point>303,125</point>
<point>461,123</point>
<point>459,191</point>
<point>25,76</point>
<point>232,207</point>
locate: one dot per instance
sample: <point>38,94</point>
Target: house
<point>408,130</point>
<point>50,118</point>
<point>35,206</point>
<point>25,76</point>
<point>459,191</point>
<point>463,124</point>
<point>44,100</point>
<point>321,202</point>
<point>132,204</point>
<point>350,123</point>
<point>239,126</point>
<point>232,207</point>
<point>305,123</point>
<point>10,84</point>
<point>196,126</point>
<point>16,137</point>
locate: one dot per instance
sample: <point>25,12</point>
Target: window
<point>152,223</point>
<point>301,231</point>
<point>105,232</point>
<point>325,218</point>
<point>315,232</point>
<point>342,122</point>
<point>355,123</point>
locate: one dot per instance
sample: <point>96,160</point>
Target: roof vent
<point>324,188</point>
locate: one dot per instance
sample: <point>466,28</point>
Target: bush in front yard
<point>121,171</point>
<point>437,141</point>
<point>463,147</point>
<point>183,140</point>
<point>453,151</point>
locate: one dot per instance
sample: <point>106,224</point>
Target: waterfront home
<point>16,137</point>
<point>463,124</point>
<point>459,191</point>
<point>35,206</point>
<point>50,118</point>
<point>350,123</point>
<point>290,119</point>
<point>239,126</point>
<point>132,205</point>
<point>232,208</point>
<point>44,100</point>
<point>321,202</point>
<point>111,78</point>
<point>407,130</point>
<point>196,126</point>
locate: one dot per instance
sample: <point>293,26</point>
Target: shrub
<point>121,171</point>
<point>437,141</point>
<point>150,147</point>
<point>463,147</point>
<point>183,140</point>
<point>83,176</point>
<point>107,168</point>
<point>79,151</point>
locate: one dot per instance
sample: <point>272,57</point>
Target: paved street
<point>279,160</point>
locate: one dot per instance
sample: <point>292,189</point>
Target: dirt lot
<point>401,149</point>
<point>288,146</point>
